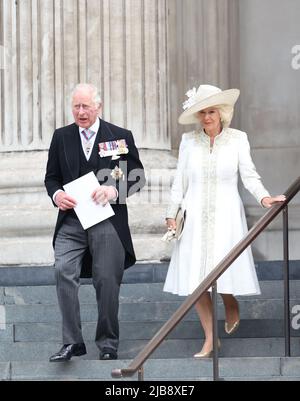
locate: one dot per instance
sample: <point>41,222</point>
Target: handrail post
<point>141,373</point>
<point>215,333</point>
<point>287,319</point>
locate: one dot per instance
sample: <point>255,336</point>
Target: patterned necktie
<point>88,135</point>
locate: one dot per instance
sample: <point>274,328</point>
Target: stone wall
<point>269,108</point>
<point>203,48</point>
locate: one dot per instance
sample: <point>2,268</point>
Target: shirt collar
<point>95,127</point>
<point>207,138</point>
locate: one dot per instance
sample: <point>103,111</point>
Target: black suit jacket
<point>64,166</point>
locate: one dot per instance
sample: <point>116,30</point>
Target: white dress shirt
<point>95,128</point>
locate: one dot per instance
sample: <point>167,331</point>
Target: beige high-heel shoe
<point>207,354</point>
<point>233,328</point>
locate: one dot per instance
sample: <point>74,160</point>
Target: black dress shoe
<point>67,351</point>
<point>108,354</point>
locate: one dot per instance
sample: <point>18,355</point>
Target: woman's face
<point>210,119</point>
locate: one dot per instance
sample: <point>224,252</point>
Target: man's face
<point>84,108</point>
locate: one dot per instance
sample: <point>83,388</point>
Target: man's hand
<point>104,194</point>
<point>64,202</point>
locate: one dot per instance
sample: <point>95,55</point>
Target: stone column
<point>203,48</point>
<point>119,45</point>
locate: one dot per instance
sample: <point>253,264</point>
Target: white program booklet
<point>88,212</point>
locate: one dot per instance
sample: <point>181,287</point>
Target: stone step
<point>141,292</point>
<point>148,272</point>
<point>129,349</point>
<point>45,332</point>
<point>39,217</point>
<point>12,276</point>
<point>144,311</point>
<point>21,249</point>
<point>272,369</point>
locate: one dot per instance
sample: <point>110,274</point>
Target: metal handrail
<point>207,283</point>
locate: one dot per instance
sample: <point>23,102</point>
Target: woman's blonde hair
<point>226,114</point>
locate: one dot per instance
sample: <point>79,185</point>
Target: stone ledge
<point>145,330</point>
<point>145,311</point>
<point>130,293</point>
<point>37,250</point>
<point>159,369</point>
<point>5,371</point>
<point>148,272</point>
<point>44,275</point>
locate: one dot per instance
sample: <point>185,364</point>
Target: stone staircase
<point>30,329</point>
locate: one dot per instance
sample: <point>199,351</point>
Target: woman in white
<point>206,186</point>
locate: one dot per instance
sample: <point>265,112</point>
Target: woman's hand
<point>171,224</point>
<point>270,201</point>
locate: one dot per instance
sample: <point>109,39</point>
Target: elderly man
<point>104,250</point>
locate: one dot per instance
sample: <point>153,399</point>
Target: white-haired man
<point>104,250</point>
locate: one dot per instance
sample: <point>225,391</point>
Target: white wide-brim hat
<point>206,96</point>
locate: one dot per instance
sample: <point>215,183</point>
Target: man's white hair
<point>89,87</point>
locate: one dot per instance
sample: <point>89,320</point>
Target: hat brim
<point>228,97</point>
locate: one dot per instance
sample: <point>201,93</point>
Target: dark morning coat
<point>64,166</point>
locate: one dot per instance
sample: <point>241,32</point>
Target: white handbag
<point>180,224</point>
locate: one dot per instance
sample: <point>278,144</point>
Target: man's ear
<point>100,108</point>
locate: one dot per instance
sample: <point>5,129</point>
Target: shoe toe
<point>108,355</point>
<point>231,329</point>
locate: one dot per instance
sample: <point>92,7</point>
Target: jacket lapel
<point>72,145</point>
<point>71,148</point>
<point>105,135</point>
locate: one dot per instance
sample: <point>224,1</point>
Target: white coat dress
<point>206,186</point>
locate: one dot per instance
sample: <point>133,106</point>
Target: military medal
<point>113,148</point>
<point>117,174</point>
